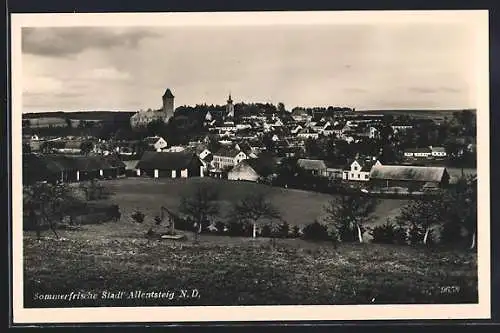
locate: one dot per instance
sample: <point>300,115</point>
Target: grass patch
<point>241,271</point>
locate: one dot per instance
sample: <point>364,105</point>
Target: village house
<point>359,170</point>
<point>410,177</point>
<point>418,152</point>
<point>156,143</point>
<point>173,149</point>
<point>170,165</point>
<point>314,167</point>
<point>320,126</point>
<point>438,152</point>
<point>334,171</point>
<point>401,127</point>
<point>299,114</point>
<point>308,133</point>
<point>227,157</point>
<point>71,147</point>
<point>296,129</point>
<point>252,169</point>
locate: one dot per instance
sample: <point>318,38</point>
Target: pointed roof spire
<point>229,99</point>
<point>168,94</point>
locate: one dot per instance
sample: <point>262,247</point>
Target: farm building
<point>334,171</point>
<point>359,170</point>
<point>227,157</point>
<point>315,167</point>
<point>155,143</point>
<point>170,164</point>
<point>252,169</point>
<point>418,152</point>
<point>131,168</point>
<point>438,152</point>
<point>62,168</point>
<point>414,177</point>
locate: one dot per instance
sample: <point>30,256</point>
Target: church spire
<point>229,107</point>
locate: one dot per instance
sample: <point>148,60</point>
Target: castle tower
<point>229,107</point>
<point>168,105</point>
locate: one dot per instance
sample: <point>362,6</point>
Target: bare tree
<point>200,206</point>
<point>348,213</point>
<point>254,208</point>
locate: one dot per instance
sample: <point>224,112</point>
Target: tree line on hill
<point>453,213</point>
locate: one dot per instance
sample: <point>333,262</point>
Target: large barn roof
<point>166,160</point>
<point>311,164</point>
<point>416,173</point>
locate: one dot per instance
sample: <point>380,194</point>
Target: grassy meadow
<point>297,207</point>
<point>115,256</point>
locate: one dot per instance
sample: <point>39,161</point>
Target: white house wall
<point>184,173</point>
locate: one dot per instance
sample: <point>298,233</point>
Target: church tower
<point>229,107</point>
<point>168,105</point>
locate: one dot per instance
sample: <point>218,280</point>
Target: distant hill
<point>80,115</point>
<point>422,114</point>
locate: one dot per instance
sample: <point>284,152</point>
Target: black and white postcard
<point>250,166</point>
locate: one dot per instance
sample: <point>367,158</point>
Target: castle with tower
<point>142,118</point>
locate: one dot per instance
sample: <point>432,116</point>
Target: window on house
<point>359,176</point>
<point>366,176</point>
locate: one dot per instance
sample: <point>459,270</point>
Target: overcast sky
<point>415,66</point>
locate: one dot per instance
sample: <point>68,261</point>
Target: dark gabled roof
<point>438,149</point>
<point>168,94</point>
<point>309,164</point>
<point>114,161</point>
<point>73,144</point>
<point>263,166</point>
<point>209,158</point>
<point>307,130</point>
<point>245,147</point>
<point>151,140</point>
<point>167,160</point>
<point>366,165</point>
<point>227,152</point>
<point>54,164</point>
<point>417,173</point>
<point>418,150</point>
<point>91,163</point>
<point>334,165</point>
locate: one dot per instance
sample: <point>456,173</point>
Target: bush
<point>283,230</point>
<point>316,231</point>
<point>157,220</point>
<point>95,191</point>
<point>296,233</point>
<point>266,231</point>
<point>348,234</point>
<point>239,229</point>
<point>388,233</point>
<point>138,216</point>
<point>451,232</point>
<point>220,226</point>
<point>416,235</point>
